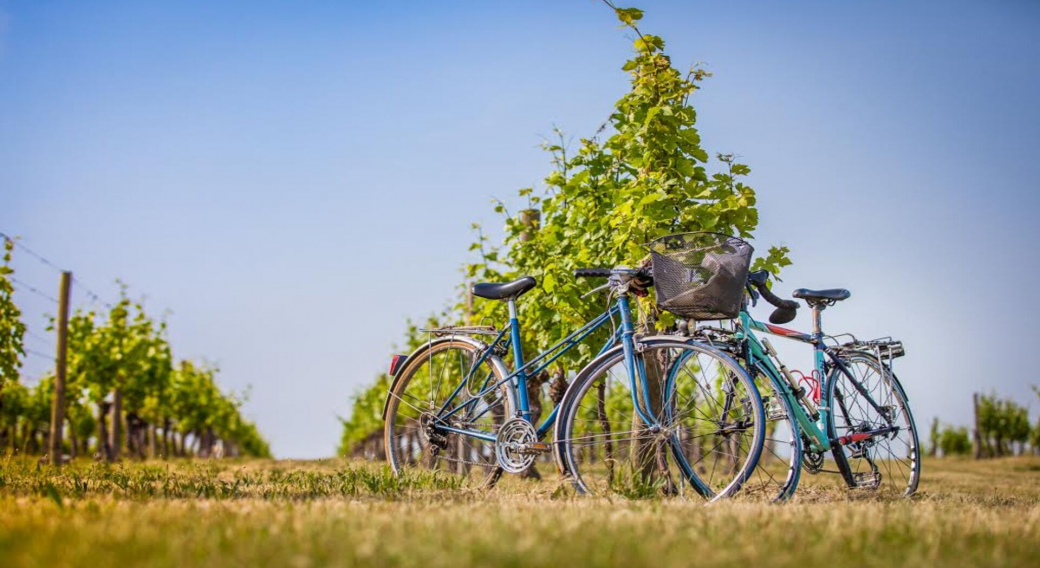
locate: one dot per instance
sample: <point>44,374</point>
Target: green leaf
<point>629,16</point>
<point>649,44</point>
<point>650,114</point>
<point>549,282</point>
<point>651,197</point>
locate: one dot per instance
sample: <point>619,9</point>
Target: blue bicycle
<point>649,415</point>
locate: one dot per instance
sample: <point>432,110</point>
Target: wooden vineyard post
<point>978,432</point>
<point>58,403</point>
<point>529,218</point>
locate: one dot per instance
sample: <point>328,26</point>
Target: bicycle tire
<point>850,416</point>
<point>676,429</point>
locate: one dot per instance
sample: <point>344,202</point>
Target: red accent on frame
<point>782,330</point>
<point>846,440</point>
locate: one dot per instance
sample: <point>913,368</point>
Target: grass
<point>350,513</point>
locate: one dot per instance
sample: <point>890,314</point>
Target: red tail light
<point>395,364</point>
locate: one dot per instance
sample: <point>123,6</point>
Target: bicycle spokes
<point>439,397</point>
<point>875,436</point>
<point>706,426</point>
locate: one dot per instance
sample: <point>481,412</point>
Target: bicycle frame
<point>509,338</point>
<point>758,357</point>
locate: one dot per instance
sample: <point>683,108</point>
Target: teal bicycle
<point>649,415</point>
<point>851,405</point>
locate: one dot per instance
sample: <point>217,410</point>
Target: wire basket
<point>700,276</point>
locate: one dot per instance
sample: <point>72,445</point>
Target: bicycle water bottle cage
<point>812,383</point>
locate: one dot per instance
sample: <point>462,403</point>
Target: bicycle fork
<point>636,373</point>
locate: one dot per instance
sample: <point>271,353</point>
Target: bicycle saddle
<point>504,290</point>
<point>819,296</point>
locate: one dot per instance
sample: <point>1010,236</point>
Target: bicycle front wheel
<point>780,467</point>
<point>700,432</point>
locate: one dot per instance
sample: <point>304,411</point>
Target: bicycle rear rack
<point>717,337</point>
<point>462,330</point>
<point>884,348</point>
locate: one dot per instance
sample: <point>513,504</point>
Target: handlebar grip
<point>591,272</point>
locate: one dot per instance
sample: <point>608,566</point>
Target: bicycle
<point>851,405</point>
<point>644,417</point>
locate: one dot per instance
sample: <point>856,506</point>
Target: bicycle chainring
<point>813,462</point>
<point>515,445</point>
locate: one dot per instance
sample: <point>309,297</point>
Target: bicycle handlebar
<point>591,272</point>
<point>758,280</point>
<point>638,280</point>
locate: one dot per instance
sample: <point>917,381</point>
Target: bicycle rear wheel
<point>889,463</point>
<point>706,439</point>
<point>413,431</point>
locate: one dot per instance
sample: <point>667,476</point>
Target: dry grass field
<point>281,513</point>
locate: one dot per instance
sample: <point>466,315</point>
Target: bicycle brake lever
<point>753,294</point>
<point>597,289</point>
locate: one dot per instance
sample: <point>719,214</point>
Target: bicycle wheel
<point>413,432</point>
<point>709,424</point>
<point>779,469</point>
<point>889,463</point>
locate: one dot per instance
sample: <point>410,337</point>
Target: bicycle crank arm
<point>535,448</point>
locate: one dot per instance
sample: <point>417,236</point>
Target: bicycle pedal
<point>774,410</point>
<point>867,480</point>
<point>541,447</point>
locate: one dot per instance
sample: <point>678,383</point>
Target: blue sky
<point>293,180</point>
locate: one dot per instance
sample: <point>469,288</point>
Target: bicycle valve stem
<point>799,391</point>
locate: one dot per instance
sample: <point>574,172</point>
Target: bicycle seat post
<point>817,320</point>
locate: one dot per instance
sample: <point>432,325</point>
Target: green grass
<point>347,513</point>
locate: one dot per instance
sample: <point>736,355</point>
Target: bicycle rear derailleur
<point>438,440</point>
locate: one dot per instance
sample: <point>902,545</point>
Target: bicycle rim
<point>886,464</point>
<point>413,435</point>
<point>709,430</point>
<point>779,469</point>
